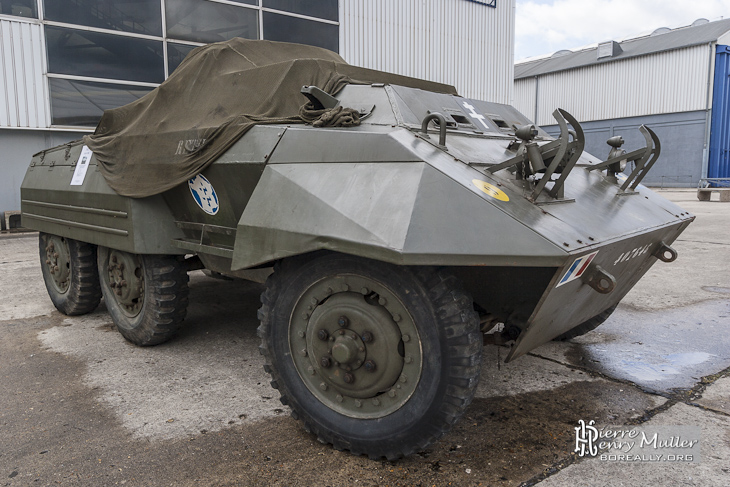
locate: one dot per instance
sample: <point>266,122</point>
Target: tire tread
<point>460,323</point>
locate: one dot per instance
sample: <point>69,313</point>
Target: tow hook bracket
<point>665,253</point>
<point>600,280</point>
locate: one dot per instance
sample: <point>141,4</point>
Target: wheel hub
<point>357,352</point>
<point>126,280</point>
<point>346,349</point>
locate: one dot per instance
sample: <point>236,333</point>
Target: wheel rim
<point>355,346</point>
<point>125,276</point>
<point>58,262</point>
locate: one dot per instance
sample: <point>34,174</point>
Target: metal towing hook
<point>644,157</point>
<point>556,157</point>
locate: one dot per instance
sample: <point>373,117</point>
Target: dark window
<point>84,53</point>
<point>139,16</point>
<point>292,29</point>
<point>322,9</point>
<point>19,8</point>
<point>249,2</point>
<point>193,20</point>
<point>81,103</point>
<point>175,55</point>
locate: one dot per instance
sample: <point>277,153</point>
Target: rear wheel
<point>373,358</point>
<point>146,295</point>
<point>69,272</point>
<point>588,325</point>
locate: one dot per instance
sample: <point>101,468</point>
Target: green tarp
<point>218,92</point>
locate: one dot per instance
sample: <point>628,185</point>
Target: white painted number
<point>632,254</point>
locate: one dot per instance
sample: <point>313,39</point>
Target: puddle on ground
<point>663,351</point>
<point>673,365</point>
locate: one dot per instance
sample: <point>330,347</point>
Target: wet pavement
<point>80,406</point>
<point>666,352</point>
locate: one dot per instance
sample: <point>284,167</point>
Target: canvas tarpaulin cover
<point>216,94</point>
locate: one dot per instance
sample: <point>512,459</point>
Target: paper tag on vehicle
<point>81,167</point>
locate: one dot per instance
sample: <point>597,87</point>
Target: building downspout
<point>537,102</point>
<point>708,110</point>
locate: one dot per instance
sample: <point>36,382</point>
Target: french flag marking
<point>577,269</point>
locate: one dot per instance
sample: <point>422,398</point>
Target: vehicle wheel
<point>374,358</point>
<point>586,326</point>
<point>69,271</point>
<point>146,295</point>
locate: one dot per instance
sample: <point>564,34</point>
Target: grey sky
<point>546,26</point>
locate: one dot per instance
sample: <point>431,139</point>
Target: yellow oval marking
<point>491,190</point>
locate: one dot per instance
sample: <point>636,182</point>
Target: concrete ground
<point>79,405</point>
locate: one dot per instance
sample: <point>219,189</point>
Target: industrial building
<point>676,81</point>
<point>62,62</point>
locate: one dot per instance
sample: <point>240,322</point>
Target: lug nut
<point>343,322</point>
<point>323,335</point>
<point>370,366</point>
<point>367,337</point>
<point>123,283</point>
<point>349,378</point>
<point>325,362</point>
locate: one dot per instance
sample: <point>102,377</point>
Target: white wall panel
<point>525,96</point>
<point>463,43</point>
<point>22,84</point>
<point>666,82</point>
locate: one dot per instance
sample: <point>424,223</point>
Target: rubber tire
<point>450,339</point>
<point>165,299</point>
<point>586,326</point>
<point>84,293</point>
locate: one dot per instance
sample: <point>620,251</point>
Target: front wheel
<point>374,358</point>
<point>146,295</point>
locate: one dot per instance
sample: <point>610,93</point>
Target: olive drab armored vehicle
<point>397,226</point>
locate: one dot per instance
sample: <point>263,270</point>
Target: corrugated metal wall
<point>23,91</point>
<point>458,42</point>
<point>666,82</point>
<point>526,96</point>
<point>719,159</point>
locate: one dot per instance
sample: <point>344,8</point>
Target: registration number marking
<point>632,254</point>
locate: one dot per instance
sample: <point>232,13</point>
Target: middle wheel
<point>374,358</point>
<point>146,295</point>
